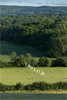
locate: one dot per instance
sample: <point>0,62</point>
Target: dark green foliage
<point>13,56</point>
<point>46,86</point>
<point>5,64</point>
<point>62,85</point>
<point>19,63</point>
<point>34,86</point>
<point>44,62</point>
<point>28,58</point>
<point>1,86</point>
<point>2,64</point>
<point>19,86</point>
<point>8,64</point>
<point>27,87</point>
<point>33,62</point>
<point>60,62</point>
<point>9,87</point>
<point>22,58</point>
<point>41,62</point>
<point>48,36</point>
<point>43,86</point>
<point>47,62</point>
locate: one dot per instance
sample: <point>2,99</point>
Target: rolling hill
<point>8,47</point>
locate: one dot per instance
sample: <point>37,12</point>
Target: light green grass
<point>35,96</point>
<point>25,75</point>
<point>8,47</point>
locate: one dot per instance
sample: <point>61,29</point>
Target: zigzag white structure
<point>37,71</point>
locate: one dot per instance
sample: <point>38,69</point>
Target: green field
<point>8,47</point>
<point>40,96</point>
<point>26,75</point>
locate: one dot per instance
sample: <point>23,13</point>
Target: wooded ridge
<point>27,10</point>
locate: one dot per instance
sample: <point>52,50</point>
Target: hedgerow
<point>34,86</point>
<point>42,62</point>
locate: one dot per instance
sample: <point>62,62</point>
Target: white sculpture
<point>28,65</point>
<point>42,74</point>
<point>38,71</point>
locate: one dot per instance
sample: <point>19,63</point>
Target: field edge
<point>37,91</point>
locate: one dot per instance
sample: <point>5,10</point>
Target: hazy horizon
<point>34,3</point>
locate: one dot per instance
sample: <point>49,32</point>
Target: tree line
<point>26,10</point>
<point>34,86</point>
<point>24,61</point>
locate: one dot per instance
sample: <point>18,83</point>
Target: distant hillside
<point>27,10</point>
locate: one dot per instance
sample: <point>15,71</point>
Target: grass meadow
<point>13,75</point>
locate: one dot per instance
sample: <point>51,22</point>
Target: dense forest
<point>13,20</point>
<point>26,10</point>
<point>45,32</point>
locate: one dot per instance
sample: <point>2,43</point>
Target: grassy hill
<point>8,47</point>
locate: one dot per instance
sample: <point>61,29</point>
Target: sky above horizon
<point>34,2</point>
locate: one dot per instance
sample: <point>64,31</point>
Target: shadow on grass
<point>8,47</point>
